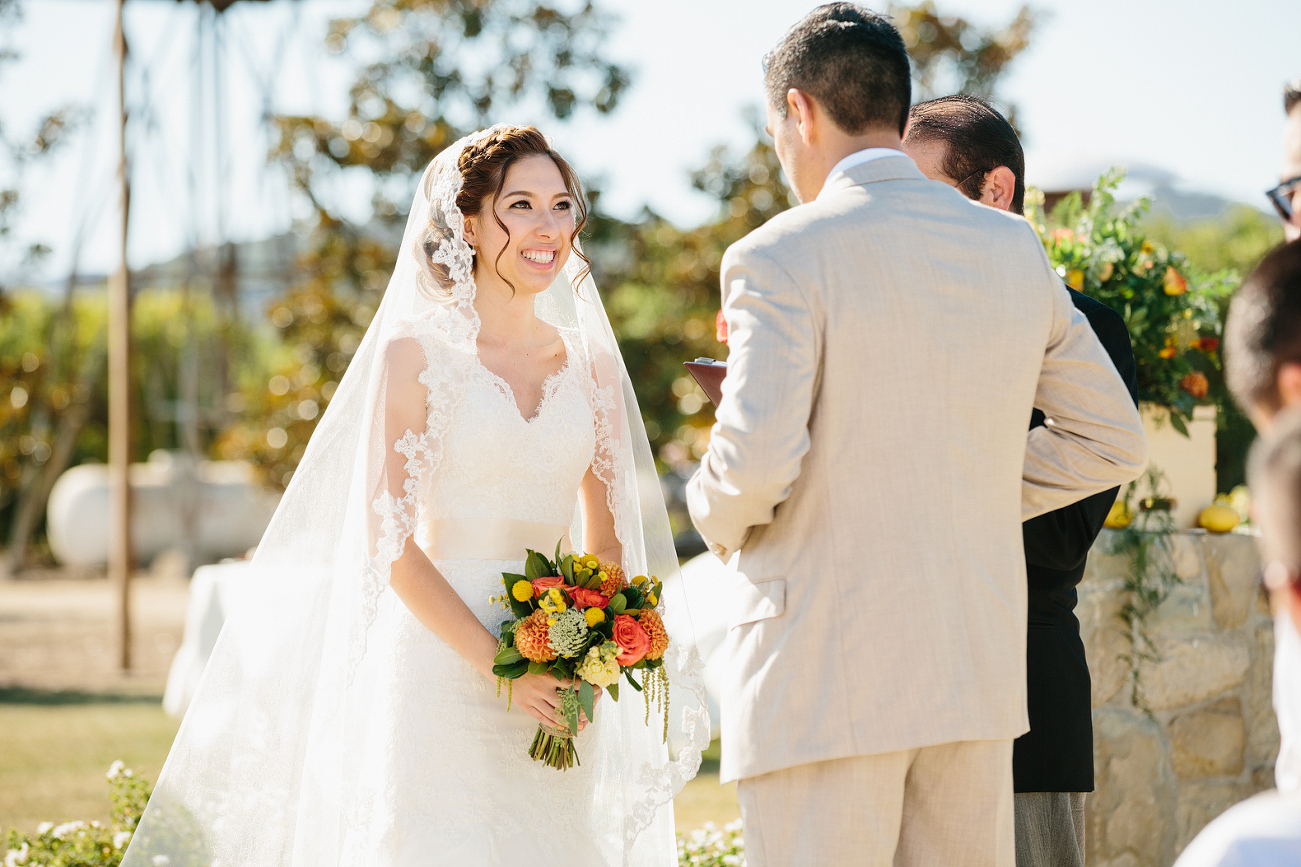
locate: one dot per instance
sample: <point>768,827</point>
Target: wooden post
<point>119,384</point>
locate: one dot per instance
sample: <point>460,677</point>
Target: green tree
<point>664,297</point>
<point>430,71</point>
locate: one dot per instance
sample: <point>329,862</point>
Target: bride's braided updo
<point>483,166</point>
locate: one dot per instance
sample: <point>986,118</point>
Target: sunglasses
<point>1281,198</point>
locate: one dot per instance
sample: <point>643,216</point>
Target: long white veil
<point>270,766</point>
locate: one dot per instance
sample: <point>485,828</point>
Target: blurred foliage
<point>434,69</point>
<point>430,71</point>
<point>952,55</point>
<point>1170,306</point>
<point>1234,242</point>
<point>52,366</point>
<point>1172,303</point>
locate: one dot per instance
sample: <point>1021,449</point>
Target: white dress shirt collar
<point>864,156</point>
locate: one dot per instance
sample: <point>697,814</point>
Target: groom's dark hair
<point>848,58</point>
<point>977,140</point>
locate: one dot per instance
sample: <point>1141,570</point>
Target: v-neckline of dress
<point>549,385</point>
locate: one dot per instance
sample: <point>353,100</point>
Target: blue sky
<point>1186,85</point>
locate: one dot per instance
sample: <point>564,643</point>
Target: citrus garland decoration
<point>580,620</point>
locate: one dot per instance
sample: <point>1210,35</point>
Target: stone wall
<point>1211,737</point>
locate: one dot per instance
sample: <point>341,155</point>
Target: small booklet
<point>709,374</point>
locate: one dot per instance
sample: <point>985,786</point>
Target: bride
<point>349,715</point>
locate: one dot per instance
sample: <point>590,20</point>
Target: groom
<point>870,462</point>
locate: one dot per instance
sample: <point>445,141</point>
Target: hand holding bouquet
<point>583,622</point>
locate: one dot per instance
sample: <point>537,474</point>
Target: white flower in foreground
<point>66,828</point>
<point>121,838</point>
<point>161,861</point>
<point>115,769</point>
<point>44,827</point>
<point>16,857</point>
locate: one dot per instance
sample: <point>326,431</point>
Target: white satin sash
<point>491,538</point>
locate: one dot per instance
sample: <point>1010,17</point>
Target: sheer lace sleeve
<point>413,400</point>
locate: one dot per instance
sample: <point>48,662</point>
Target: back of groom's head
<point>851,60</point>
<point>976,140</point>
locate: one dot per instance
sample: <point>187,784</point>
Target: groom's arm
<point>761,434</point>
<point>1093,439</point>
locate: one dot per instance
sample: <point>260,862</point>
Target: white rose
<point>121,838</point>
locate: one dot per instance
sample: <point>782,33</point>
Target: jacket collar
<point>898,168</point>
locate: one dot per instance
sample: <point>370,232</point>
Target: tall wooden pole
<point>119,385</point>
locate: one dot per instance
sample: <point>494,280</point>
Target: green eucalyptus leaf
<point>537,668</point>
<point>613,690</point>
<point>618,603</point>
<point>587,698</point>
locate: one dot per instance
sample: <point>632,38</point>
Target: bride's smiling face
<point>523,238</point>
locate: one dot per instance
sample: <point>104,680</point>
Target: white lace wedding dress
<point>457,785</point>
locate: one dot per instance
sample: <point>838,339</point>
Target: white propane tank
<point>212,509</point>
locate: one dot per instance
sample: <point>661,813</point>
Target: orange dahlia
<point>614,581</point>
<point>531,638</point>
<point>654,627</point>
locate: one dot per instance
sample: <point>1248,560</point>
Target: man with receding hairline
<point>870,469</point>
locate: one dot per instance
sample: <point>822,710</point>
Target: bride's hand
<point>539,695</point>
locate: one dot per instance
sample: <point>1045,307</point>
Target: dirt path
<point>59,633</point>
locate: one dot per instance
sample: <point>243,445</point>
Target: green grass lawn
<point>56,746</point>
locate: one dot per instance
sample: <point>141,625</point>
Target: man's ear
<point>801,107</point>
<point>1289,384</point>
<point>999,189</point>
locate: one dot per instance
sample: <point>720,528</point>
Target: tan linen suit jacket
<point>871,462</point>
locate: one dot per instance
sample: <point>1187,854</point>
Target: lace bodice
<point>497,465</point>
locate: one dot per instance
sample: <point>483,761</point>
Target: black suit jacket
<point>1056,755</point>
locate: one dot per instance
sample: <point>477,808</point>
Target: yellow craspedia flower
<point>557,599</point>
<point>652,599</point>
<point>594,616</point>
<point>522,590</point>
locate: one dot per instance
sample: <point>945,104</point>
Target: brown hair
<point>483,166</point>
<point>1263,331</point>
<point>977,140</point>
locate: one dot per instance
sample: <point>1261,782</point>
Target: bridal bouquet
<point>584,622</point>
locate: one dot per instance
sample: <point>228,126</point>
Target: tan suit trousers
<point>949,805</point>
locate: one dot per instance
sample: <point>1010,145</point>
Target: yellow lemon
<point>1119,516</point>
<point>1218,519</point>
<point>594,616</point>
<point>1075,279</point>
<point>522,590</point>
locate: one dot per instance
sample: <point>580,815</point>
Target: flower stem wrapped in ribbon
<point>583,622</point>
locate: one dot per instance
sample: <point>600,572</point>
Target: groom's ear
<point>801,108</point>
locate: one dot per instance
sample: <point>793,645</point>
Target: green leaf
<point>1177,422</point>
<point>571,716</point>
<point>512,671</point>
<point>587,698</point>
<point>538,668</point>
<point>558,541</point>
<point>613,690</point>
<point>567,567</point>
<point>618,603</point>
<point>531,570</point>
<point>507,656</point>
<point>538,566</point>
<point>628,674</point>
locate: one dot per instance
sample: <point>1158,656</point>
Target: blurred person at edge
<point>1262,355</point>
<point>965,143</point>
<point>1286,197</point>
